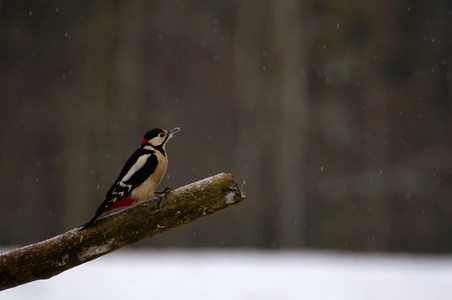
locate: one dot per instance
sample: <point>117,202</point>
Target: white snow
<point>62,262</point>
<point>95,250</point>
<point>229,198</point>
<point>176,274</point>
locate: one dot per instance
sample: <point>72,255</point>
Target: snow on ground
<point>247,275</point>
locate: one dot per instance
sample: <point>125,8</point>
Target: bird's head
<point>158,137</point>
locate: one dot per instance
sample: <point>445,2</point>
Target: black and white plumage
<point>141,174</point>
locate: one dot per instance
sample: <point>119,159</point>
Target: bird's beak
<point>173,131</point>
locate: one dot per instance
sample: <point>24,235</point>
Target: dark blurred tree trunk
<point>290,80</point>
<point>270,63</point>
<point>376,93</point>
<point>257,115</point>
<point>91,145</point>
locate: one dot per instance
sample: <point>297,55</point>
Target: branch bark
<point>53,256</point>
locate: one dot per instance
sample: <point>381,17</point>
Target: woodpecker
<point>141,174</point>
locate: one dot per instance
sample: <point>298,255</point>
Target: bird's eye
<point>161,135</point>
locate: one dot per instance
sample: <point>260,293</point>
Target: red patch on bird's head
<point>144,141</point>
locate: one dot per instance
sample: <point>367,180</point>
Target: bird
<point>140,176</point>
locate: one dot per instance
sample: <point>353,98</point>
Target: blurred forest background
<point>335,116</point>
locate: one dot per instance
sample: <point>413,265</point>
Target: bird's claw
<point>161,195</point>
<point>167,190</point>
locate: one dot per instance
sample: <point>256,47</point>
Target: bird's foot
<point>167,190</point>
<point>161,195</point>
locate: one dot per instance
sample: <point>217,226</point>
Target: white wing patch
<point>138,165</point>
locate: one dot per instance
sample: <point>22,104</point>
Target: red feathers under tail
<point>122,203</point>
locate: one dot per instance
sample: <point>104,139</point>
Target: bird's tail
<point>90,223</point>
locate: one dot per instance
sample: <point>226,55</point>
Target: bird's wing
<point>138,169</point>
<point>135,171</point>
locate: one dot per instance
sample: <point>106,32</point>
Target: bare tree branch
<point>53,256</point>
